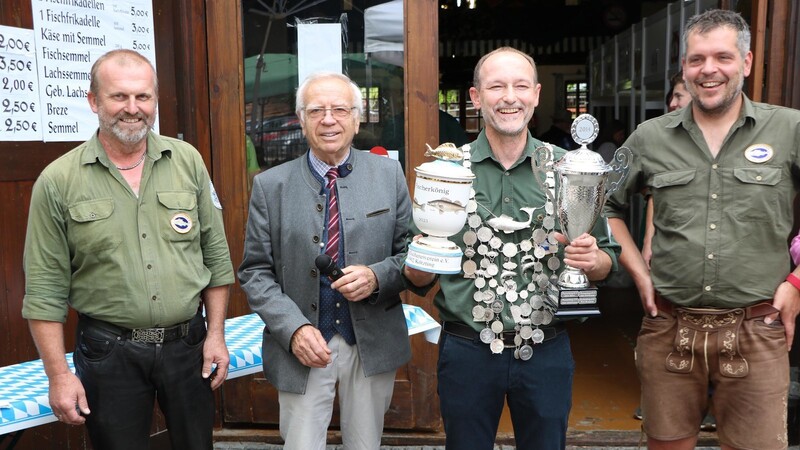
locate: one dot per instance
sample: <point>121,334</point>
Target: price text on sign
<point>20,110</point>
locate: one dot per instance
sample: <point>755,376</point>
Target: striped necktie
<point>332,247</point>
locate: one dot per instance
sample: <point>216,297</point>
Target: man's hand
<point>67,397</point>
<point>215,352</point>
<point>787,300</point>
<point>417,277</point>
<point>583,253</point>
<point>310,348</point>
<point>357,283</point>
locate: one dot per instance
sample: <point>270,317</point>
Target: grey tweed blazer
<point>284,235</point>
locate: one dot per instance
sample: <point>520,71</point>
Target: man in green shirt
<point>127,230</point>
<point>511,348</point>
<point>717,308</point>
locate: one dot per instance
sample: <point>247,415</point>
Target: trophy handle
<point>541,162</point>
<point>620,166</point>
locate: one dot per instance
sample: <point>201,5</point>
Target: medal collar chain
<point>497,287</point>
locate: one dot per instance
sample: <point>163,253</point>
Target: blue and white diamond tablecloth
<point>23,387</point>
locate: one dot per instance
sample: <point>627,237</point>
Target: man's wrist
<point>794,280</point>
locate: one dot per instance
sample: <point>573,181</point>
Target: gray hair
<point>123,57</point>
<point>300,102</point>
<point>476,79</point>
<point>716,18</point>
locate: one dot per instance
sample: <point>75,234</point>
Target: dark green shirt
<point>721,224</point>
<point>132,261</point>
<point>503,192</point>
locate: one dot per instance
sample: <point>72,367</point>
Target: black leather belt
<point>465,331</point>
<point>157,335</point>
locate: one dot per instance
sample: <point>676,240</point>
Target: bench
<point>24,386</point>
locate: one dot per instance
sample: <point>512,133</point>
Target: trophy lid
<point>445,169</point>
<point>582,160</point>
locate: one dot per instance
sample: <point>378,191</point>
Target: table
<point>24,387</point>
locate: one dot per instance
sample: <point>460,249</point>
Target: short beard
<point>129,137</point>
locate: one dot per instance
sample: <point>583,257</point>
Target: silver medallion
<point>549,222</point>
<point>517,340</point>
<point>515,310</point>
<point>551,238</point>
<point>525,352</point>
<point>538,266</point>
<point>509,250</point>
<point>478,312</point>
<point>549,208</point>
<point>474,221</point>
<point>539,235</point>
<point>472,206</point>
<point>500,290</point>
<point>584,129</point>
<point>547,317</point>
<point>511,296</point>
<point>497,307</point>
<point>489,315</point>
<point>526,332</point>
<point>497,327</point>
<point>492,283</point>
<point>486,336</point>
<point>553,263</point>
<point>539,253</point>
<point>516,353</point>
<point>525,245</point>
<point>497,346</point>
<point>469,267</point>
<point>492,270</point>
<point>536,317</point>
<point>470,238</point>
<point>509,265</point>
<point>480,283</point>
<point>525,309</point>
<point>523,294</point>
<point>484,234</point>
<point>537,336</point>
<point>537,302</point>
<point>478,296</point>
<point>495,242</point>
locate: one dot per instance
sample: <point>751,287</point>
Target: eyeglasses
<point>338,112</point>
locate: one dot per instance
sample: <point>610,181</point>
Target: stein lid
<point>445,169</point>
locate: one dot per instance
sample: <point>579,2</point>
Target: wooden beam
<point>758,29</point>
<point>776,59</point>
<point>226,119</point>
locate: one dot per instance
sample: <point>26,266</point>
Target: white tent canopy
<point>383,32</point>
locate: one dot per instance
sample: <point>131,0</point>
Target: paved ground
<point>258,446</point>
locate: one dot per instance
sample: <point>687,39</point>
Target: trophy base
<point>573,303</point>
<point>434,258</point>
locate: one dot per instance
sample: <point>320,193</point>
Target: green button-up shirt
<point>504,192</point>
<point>721,223</point>
<point>131,261</point>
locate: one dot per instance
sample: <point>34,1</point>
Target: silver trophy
<point>583,183</point>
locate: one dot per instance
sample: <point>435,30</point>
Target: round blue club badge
<point>181,223</point>
<point>759,153</point>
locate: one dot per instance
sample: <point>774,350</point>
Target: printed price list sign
<point>20,113</point>
<point>70,36</point>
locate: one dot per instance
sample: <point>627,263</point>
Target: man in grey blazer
<point>320,332</point>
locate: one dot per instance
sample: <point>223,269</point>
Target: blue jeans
<point>473,384</point>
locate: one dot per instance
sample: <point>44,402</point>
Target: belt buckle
<point>148,335</point>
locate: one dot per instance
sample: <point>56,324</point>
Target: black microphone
<point>328,267</point>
